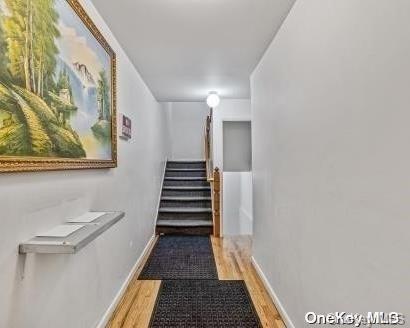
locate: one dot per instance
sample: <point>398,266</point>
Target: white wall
<point>237,203</point>
<point>330,114</point>
<point>67,291</point>
<point>237,186</point>
<point>228,110</point>
<point>187,126</point>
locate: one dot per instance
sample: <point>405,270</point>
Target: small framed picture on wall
<point>125,126</point>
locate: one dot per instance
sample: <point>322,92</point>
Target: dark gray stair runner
<point>185,206</point>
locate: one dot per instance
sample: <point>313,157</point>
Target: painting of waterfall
<point>57,88</point>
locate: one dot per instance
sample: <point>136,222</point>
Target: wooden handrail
<point>214,177</point>
<point>208,151</point>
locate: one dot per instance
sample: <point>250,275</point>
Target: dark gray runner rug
<point>181,257</point>
<point>204,304</point>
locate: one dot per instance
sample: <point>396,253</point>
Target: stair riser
<point>186,183</point>
<point>185,174</point>
<point>186,165</point>
<point>185,216</point>
<point>172,203</point>
<point>185,231</point>
<point>186,193</point>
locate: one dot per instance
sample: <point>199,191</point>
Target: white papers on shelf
<point>87,217</point>
<point>61,230</point>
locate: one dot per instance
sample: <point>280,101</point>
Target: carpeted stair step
<point>185,199</point>
<point>186,191</point>
<point>186,181</point>
<point>189,231</point>
<point>185,173</point>
<point>186,188</point>
<point>184,223</point>
<point>184,210</point>
<point>186,202</point>
<point>173,215</point>
<point>192,174</point>
<point>186,164</point>
<point>186,170</point>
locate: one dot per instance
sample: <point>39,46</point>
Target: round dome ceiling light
<point>213,99</point>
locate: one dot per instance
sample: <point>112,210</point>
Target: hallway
<point>204,163</point>
<point>233,262</point>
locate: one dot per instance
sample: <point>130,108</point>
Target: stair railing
<point>214,178</point>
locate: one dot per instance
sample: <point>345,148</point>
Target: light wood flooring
<point>232,256</point>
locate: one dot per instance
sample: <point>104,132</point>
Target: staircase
<point>185,206</point>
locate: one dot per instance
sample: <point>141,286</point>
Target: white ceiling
<point>185,48</point>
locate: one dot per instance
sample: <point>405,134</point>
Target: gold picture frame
<point>23,163</point>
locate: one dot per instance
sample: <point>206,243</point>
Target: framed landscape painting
<point>57,88</point>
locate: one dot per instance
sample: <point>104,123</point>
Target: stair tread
<point>185,223</point>
<point>186,188</point>
<point>187,199</point>
<point>186,161</point>
<point>185,178</point>
<point>185,210</point>
<point>185,170</point>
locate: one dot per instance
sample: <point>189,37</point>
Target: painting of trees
<point>45,49</point>
<point>3,57</point>
<point>30,31</point>
<point>55,85</point>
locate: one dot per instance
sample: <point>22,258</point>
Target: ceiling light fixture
<point>213,99</point>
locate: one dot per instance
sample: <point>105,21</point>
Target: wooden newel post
<point>216,206</point>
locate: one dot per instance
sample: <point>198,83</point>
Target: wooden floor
<point>232,256</point>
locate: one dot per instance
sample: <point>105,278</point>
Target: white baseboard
<point>273,295</point>
<point>107,315</point>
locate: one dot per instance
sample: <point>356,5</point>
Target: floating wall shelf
<point>74,242</point>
